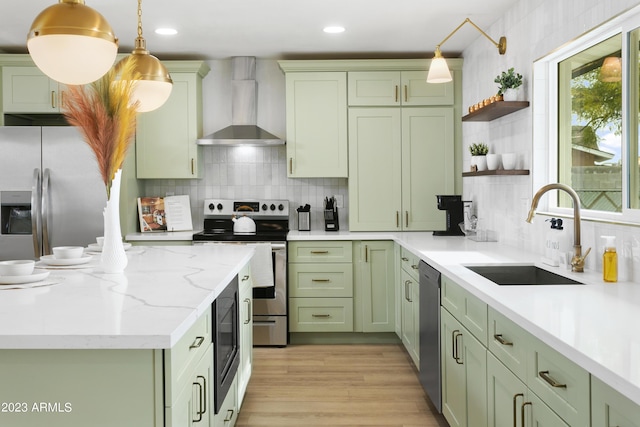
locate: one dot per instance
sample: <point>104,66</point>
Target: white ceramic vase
<point>113,258</point>
<point>481,163</point>
<point>510,95</point>
<point>493,161</point>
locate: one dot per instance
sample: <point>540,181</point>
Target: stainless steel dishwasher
<point>430,376</point>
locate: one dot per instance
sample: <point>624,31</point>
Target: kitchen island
<point>97,349</point>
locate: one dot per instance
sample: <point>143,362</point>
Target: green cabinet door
<point>374,286</point>
<point>375,169</point>
<point>506,395</point>
<point>245,297</point>
<point>410,316</point>
<point>316,124</point>
<point>427,166</point>
<point>29,90</point>
<point>395,88</point>
<point>611,408</point>
<point>166,138</point>
<point>464,380</point>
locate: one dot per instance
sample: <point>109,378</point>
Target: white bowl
<point>68,252</point>
<point>509,161</point>
<point>493,161</point>
<point>23,267</point>
<point>100,240</point>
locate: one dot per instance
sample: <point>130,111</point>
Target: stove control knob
<point>264,207</point>
<point>211,206</point>
<point>280,207</point>
<point>273,207</point>
<point>219,206</point>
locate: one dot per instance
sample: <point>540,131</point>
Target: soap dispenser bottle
<point>610,260</point>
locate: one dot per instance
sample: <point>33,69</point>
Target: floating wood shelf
<point>495,110</point>
<point>498,172</point>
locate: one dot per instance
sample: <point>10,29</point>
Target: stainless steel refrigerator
<point>51,192</point>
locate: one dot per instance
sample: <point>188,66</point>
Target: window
<point>586,121</point>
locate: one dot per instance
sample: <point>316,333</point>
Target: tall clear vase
<point>113,258</point>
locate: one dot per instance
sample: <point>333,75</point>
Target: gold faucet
<point>577,261</point>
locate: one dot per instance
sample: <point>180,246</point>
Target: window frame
<point>546,116</point>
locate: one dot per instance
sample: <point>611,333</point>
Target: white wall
<point>533,29</point>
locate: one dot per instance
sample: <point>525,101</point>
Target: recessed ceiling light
<point>333,29</point>
<point>166,31</point>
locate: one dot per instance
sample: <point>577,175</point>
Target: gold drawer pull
<point>245,277</point>
<point>196,343</point>
<point>501,340</point>
<point>553,383</point>
<point>322,316</point>
<point>319,252</point>
<point>405,259</point>
<point>321,280</point>
<point>415,267</point>
<point>515,410</point>
<point>229,416</point>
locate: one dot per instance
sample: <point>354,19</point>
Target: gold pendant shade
<point>72,43</point>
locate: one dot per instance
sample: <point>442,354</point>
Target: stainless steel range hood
<point>243,129</point>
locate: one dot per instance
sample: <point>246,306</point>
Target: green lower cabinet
<point>375,309</point>
<point>511,403</point>
<point>228,413</point>
<point>610,408</point>
<point>464,380</point>
<point>410,315</point>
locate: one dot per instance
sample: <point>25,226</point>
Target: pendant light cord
<point>140,18</point>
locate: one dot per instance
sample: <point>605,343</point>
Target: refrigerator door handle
<point>46,205</point>
<point>35,212</point>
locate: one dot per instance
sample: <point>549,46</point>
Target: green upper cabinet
<point>395,88</point>
<point>26,89</point>
<point>316,124</point>
<point>166,138</point>
<point>399,160</point>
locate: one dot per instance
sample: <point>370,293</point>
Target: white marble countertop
<point>150,306</point>
<point>593,325</point>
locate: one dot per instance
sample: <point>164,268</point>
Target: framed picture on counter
<point>171,213</point>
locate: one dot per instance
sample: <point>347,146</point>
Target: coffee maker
<point>331,214</point>
<point>454,208</point>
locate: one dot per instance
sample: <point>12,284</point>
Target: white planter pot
<point>481,163</point>
<point>510,95</point>
<point>493,161</point>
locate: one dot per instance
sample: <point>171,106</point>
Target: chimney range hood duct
<point>243,129</point>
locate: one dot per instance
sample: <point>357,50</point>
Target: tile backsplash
<point>253,172</point>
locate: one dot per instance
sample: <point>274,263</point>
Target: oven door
<point>272,300</point>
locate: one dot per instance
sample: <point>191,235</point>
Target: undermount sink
<point>515,275</point>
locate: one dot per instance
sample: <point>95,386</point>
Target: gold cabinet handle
<point>290,165</point>
<point>196,343</point>
<point>199,411</point>
<point>553,383</point>
<point>193,166</point>
<point>406,94</point>
<point>204,393</point>
<point>498,337</point>
<point>249,311</point>
<point>396,93</point>
<point>397,219</point>
<point>53,99</point>
<point>515,411</point>
<point>406,218</point>
<point>62,100</point>
<point>415,267</point>
<point>407,290</point>
<point>366,253</point>
<point>405,259</point>
<point>522,413</point>
<point>319,252</point>
<point>322,316</point>
<point>229,416</point>
<point>321,280</point>
<point>457,350</point>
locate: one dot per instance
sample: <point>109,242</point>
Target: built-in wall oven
<point>271,217</point>
<point>226,345</point>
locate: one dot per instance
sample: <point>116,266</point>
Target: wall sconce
<point>72,43</point>
<point>611,70</point>
<point>153,85</point>
<point>439,70</point>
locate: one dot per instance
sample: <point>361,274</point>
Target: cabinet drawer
<point>321,280</point>
<point>181,359</point>
<point>333,251</point>
<point>465,307</point>
<point>321,315</point>
<point>409,263</point>
<point>508,342</point>
<point>569,396</point>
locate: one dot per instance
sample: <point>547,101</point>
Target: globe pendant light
<point>72,43</point>
<point>153,85</point>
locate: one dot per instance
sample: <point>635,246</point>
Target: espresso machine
<point>454,209</point>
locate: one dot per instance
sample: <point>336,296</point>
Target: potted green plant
<point>479,155</point>
<point>509,81</point>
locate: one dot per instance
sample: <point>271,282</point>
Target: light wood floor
<point>335,385</point>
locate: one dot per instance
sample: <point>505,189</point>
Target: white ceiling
<point>277,29</point>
